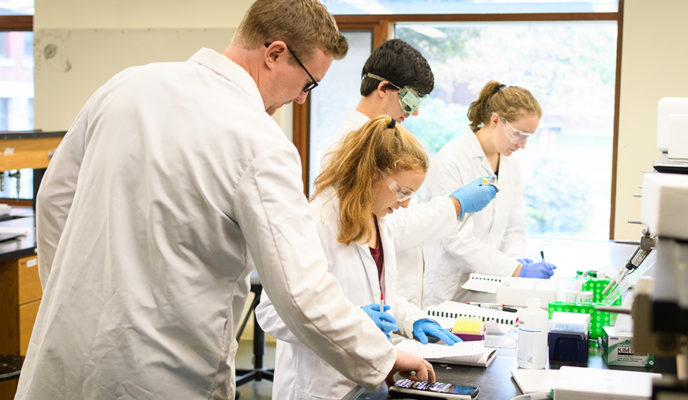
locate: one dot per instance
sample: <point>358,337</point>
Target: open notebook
<point>464,353</point>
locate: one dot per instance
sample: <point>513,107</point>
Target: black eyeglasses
<point>308,86</point>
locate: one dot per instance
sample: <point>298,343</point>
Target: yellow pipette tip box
<point>469,329</point>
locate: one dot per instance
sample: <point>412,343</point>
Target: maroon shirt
<point>378,255</point>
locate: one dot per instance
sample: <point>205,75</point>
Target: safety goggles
<point>514,135</point>
<point>409,99</point>
<point>402,192</point>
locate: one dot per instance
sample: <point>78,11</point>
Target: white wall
<point>123,14</point>
<point>79,44</point>
<point>654,65</point>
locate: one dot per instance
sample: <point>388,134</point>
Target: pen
<point>542,255</point>
<point>382,301</point>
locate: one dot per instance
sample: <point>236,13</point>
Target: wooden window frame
<point>382,26</point>
<point>14,23</point>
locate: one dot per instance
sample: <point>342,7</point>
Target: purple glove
<point>540,269</point>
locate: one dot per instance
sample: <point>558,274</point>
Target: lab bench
<point>20,288</point>
<point>570,255</point>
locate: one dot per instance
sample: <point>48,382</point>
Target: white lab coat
<point>415,226</point>
<point>170,179</point>
<point>301,374</point>
<point>492,239</point>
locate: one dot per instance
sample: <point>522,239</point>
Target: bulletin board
<point>71,64</point>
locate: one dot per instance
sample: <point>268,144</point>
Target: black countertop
<point>9,135</point>
<point>17,246</point>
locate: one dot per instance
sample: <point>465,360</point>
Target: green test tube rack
<point>598,319</point>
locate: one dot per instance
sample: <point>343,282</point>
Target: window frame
<point>17,23</point>
<point>382,26</point>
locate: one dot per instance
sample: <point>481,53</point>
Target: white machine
<point>660,313</point>
<point>660,307</point>
<point>672,134</point>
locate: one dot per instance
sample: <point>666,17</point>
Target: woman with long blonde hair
<point>374,171</point>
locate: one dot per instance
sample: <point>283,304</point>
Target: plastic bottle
<point>531,351</point>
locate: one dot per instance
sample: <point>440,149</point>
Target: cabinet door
<point>27,316</point>
<point>29,283</point>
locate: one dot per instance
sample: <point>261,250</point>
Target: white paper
<point>471,351</point>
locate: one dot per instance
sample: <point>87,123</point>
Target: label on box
<point>618,350</point>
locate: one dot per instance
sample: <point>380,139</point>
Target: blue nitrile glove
<point>540,269</point>
<point>424,327</point>
<point>383,320</point>
<point>474,196</point>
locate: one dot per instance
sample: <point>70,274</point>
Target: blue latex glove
<point>424,327</point>
<point>540,269</point>
<point>474,196</point>
<point>383,320</point>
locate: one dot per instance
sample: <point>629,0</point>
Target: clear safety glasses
<point>514,135</point>
<point>409,99</point>
<point>402,192</point>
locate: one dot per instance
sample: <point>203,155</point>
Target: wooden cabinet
<point>20,296</point>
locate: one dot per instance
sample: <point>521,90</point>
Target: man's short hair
<point>399,63</point>
<point>304,25</point>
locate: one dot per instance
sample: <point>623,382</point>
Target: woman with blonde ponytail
<point>374,171</point>
<point>493,240</point>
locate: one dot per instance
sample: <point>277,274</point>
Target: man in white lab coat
<point>171,177</point>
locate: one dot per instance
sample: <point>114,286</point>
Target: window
<point>16,86</point>
<point>339,91</point>
<point>564,52</point>
<point>570,67</point>
<point>366,7</point>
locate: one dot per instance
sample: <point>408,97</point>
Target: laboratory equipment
<point>647,243</point>
<point>515,291</point>
<point>531,349</point>
<point>407,388</point>
<point>672,142</point>
<point>469,328</point>
<point>672,138</point>
<point>568,337</point>
<point>660,308</point>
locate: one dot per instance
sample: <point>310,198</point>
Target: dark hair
<point>399,63</point>
<point>510,102</point>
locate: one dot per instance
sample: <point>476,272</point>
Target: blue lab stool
<point>256,373</point>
